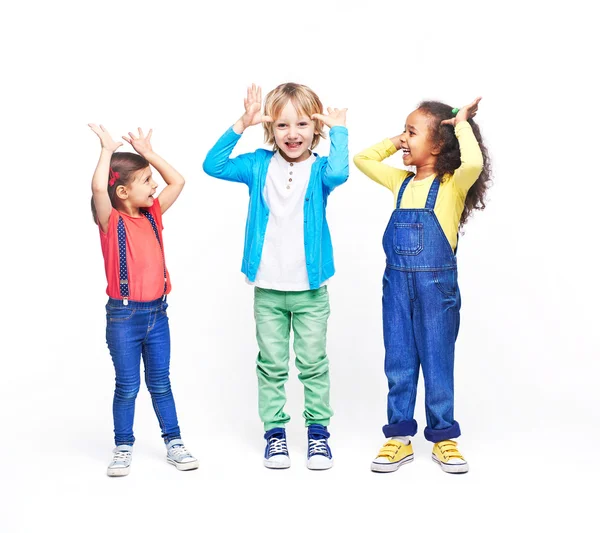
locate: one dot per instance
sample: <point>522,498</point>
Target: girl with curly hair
<point>421,299</point>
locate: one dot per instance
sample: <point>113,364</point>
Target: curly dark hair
<point>449,158</point>
<point>126,164</point>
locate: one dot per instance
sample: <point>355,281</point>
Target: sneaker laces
<point>179,452</point>
<point>277,446</point>
<point>121,456</point>
<point>449,450</point>
<point>317,447</point>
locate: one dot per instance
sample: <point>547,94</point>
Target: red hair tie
<point>114,176</point>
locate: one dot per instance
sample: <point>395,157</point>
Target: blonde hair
<point>303,99</point>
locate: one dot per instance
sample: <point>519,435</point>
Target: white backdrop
<point>527,354</point>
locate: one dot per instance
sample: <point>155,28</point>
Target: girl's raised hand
<point>140,144</point>
<point>106,140</point>
<point>252,106</point>
<point>336,117</point>
<point>464,113</point>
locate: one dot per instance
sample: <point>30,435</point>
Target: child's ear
<point>435,150</point>
<point>121,192</point>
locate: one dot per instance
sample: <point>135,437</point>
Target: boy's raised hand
<point>106,140</point>
<point>253,114</point>
<point>336,117</point>
<point>140,144</point>
<point>464,113</point>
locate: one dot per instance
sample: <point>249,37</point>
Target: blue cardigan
<point>326,174</point>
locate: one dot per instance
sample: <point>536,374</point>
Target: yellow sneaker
<point>446,454</point>
<point>392,456</point>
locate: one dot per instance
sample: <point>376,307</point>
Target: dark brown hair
<point>442,136</point>
<point>125,164</point>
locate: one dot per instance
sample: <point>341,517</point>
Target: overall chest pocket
<point>408,238</point>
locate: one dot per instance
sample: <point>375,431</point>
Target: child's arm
<point>174,180</point>
<point>337,169</point>
<point>217,162</point>
<point>369,162</point>
<point>471,158</point>
<point>100,179</point>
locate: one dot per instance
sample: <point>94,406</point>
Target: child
<point>288,255</point>
<point>421,300</point>
<point>130,223</point>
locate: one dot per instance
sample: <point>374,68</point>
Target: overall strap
<point>402,189</point>
<point>433,192</point>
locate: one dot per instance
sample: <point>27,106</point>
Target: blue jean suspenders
<point>421,304</point>
<point>123,272</point>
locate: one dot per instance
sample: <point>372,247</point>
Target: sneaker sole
<point>276,465</point>
<point>117,472</point>
<point>320,467</point>
<point>192,465</point>
<point>462,468</point>
<point>391,467</point>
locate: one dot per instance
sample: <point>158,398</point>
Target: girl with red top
<point>130,221</point>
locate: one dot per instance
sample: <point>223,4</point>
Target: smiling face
<point>141,190</point>
<point>291,105</point>
<point>417,148</point>
<point>294,132</point>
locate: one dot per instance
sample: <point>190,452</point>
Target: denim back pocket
<point>408,238</point>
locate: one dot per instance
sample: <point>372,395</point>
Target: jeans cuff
<point>437,435</point>
<point>405,428</point>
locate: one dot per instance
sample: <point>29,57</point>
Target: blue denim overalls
<point>421,304</point>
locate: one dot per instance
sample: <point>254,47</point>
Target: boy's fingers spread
<point>267,118</point>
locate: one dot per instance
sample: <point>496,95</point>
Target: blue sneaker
<point>276,452</point>
<point>319,454</point>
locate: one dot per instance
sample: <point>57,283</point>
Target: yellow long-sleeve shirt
<point>453,189</point>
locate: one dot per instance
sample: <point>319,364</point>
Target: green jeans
<point>307,313</point>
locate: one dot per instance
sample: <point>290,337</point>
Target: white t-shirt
<point>283,261</point>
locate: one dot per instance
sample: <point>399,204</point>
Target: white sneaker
<point>121,461</point>
<point>177,455</point>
